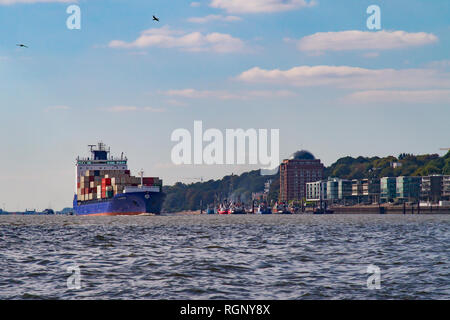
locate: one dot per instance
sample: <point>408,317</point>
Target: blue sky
<point>309,68</point>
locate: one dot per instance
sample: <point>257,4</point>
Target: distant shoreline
<point>359,209</point>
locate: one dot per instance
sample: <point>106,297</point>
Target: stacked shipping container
<point>103,184</point>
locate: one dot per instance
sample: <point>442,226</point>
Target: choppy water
<point>225,257</point>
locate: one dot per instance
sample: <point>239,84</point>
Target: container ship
<point>105,187</point>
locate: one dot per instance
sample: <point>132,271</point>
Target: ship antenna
<point>91,146</point>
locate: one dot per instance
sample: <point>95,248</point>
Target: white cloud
<point>260,6</point>
<point>349,77</point>
<point>268,94</point>
<point>399,96</point>
<point>363,40</point>
<point>121,108</point>
<point>10,2</point>
<point>214,17</point>
<point>132,109</point>
<point>56,108</point>
<point>195,41</point>
<point>196,94</point>
<point>176,103</point>
<point>226,95</point>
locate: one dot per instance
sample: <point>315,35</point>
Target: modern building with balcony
<point>338,190</point>
<point>357,190</point>
<point>333,190</point>
<point>316,191</point>
<point>408,189</point>
<point>446,188</point>
<point>432,188</point>
<point>366,190</point>
<point>344,190</point>
<point>388,189</point>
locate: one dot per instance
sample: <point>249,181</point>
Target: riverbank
<point>186,212</point>
<point>361,209</point>
<point>390,209</point>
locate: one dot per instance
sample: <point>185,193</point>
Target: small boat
<point>281,208</point>
<point>237,208</point>
<point>210,210</point>
<point>264,209</point>
<point>48,212</point>
<point>223,209</point>
<point>294,208</point>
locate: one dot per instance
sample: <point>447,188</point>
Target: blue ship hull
<point>133,203</point>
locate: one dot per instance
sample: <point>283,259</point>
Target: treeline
<point>188,196</point>
<point>376,167</point>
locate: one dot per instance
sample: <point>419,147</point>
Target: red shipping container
<point>148,181</point>
<point>91,178</point>
<point>106,181</point>
<point>78,185</point>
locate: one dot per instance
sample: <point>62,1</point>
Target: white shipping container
<point>129,189</point>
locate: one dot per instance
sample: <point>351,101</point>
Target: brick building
<point>295,172</point>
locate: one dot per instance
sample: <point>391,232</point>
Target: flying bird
<point>21,45</point>
<point>155,18</point>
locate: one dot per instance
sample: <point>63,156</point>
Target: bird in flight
<point>21,45</point>
<point>155,18</point>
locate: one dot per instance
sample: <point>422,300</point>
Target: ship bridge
<point>100,159</point>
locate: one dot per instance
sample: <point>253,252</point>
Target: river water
<point>225,257</point>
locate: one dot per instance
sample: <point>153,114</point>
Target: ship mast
<point>142,177</point>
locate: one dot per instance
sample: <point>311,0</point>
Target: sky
<point>311,69</point>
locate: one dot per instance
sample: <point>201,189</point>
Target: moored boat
<point>282,208</point>
<point>237,208</point>
<point>223,209</point>
<point>263,208</point>
<point>210,210</point>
